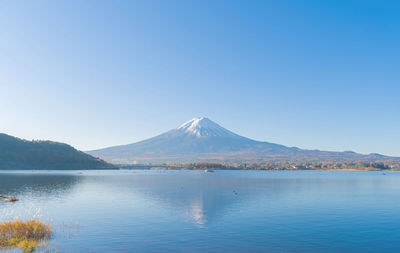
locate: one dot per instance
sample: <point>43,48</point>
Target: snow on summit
<point>204,127</point>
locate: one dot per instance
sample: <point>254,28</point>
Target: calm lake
<point>225,211</point>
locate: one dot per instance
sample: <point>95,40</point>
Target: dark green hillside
<point>19,154</point>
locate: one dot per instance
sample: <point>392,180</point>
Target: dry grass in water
<point>12,199</point>
<point>25,235</point>
<point>8,198</point>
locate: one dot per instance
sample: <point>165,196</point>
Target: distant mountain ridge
<point>19,154</point>
<point>202,139</point>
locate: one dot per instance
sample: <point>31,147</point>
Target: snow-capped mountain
<point>201,127</point>
<point>203,139</point>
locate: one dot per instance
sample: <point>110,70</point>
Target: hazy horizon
<point>94,74</point>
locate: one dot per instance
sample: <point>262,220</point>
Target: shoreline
<point>178,169</point>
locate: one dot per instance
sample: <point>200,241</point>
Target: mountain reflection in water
<point>225,211</point>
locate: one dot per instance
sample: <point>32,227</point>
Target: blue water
<point>225,211</point>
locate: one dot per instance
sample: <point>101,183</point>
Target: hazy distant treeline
<point>289,165</point>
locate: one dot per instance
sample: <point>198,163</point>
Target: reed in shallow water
<point>25,235</point>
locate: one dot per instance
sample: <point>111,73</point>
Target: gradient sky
<point>312,74</point>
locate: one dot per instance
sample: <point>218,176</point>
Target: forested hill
<point>19,154</point>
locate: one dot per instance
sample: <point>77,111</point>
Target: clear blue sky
<point>312,74</point>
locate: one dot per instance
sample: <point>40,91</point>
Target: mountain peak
<point>203,126</point>
<point>196,122</point>
<point>201,139</point>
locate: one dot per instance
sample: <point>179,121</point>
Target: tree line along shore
<point>284,165</point>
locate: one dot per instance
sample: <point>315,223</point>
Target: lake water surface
<point>225,211</point>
